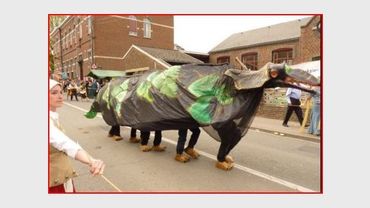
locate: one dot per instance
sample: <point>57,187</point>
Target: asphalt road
<point>264,162</point>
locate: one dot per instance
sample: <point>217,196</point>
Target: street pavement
<point>271,158</point>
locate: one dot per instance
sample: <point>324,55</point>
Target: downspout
<point>92,40</point>
<point>60,47</point>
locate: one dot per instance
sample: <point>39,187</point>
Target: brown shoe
<point>116,138</point>
<point>134,140</point>
<point>145,148</point>
<point>191,151</point>
<point>159,148</point>
<point>182,158</point>
<point>110,135</point>
<point>224,165</point>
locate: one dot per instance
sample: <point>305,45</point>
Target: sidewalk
<point>275,127</point>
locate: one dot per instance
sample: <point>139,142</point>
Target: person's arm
<point>288,92</point>
<point>63,143</point>
<point>96,166</point>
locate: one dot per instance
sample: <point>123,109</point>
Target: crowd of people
<point>86,89</point>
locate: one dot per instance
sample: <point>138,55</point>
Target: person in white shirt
<point>293,98</point>
<point>61,148</point>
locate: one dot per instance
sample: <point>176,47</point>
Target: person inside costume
<point>190,148</point>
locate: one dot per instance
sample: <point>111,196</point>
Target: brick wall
<point>109,37</point>
<point>136,59</point>
<point>274,104</point>
<point>264,53</point>
<point>112,37</point>
<point>310,41</point>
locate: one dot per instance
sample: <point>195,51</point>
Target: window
<point>147,28</point>
<point>133,26</point>
<point>223,59</point>
<point>282,55</point>
<point>250,60</point>
<point>89,25</point>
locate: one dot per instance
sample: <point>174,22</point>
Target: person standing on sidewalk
<point>293,98</point>
<point>315,114</point>
<point>61,148</point>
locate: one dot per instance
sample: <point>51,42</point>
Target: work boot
<point>116,138</point>
<point>190,151</point>
<point>182,158</point>
<point>159,148</point>
<point>224,165</point>
<point>134,140</point>
<point>145,148</point>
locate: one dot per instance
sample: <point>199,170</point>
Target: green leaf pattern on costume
<point>121,93</point>
<point>205,90</point>
<point>288,69</point>
<point>144,88</point>
<point>105,96</point>
<point>200,110</point>
<point>164,81</point>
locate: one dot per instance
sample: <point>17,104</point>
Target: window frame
<point>132,26</point>
<point>250,65</point>
<point>282,59</point>
<point>147,27</point>
<point>223,57</point>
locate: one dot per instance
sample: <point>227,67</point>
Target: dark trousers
<point>133,132</point>
<point>295,106</point>
<point>115,130</point>
<point>144,135</point>
<point>228,141</point>
<point>182,139</point>
<point>74,93</point>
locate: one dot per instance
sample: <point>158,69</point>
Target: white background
<point>24,131</point>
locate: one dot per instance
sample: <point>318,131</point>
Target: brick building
<point>101,41</point>
<point>139,59</point>
<point>293,42</point>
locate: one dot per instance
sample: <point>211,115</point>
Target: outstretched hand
<point>97,167</point>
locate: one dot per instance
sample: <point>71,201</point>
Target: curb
<point>294,136</point>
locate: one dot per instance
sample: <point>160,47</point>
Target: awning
<point>100,74</point>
